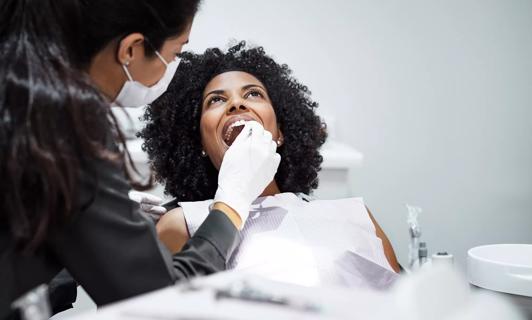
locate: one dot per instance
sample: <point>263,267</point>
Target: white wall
<point>436,94</point>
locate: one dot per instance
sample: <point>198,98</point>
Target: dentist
<point>63,164</point>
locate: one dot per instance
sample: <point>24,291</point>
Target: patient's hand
<point>172,230</point>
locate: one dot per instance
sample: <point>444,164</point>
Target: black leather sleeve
<point>112,250</point>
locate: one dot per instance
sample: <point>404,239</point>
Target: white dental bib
<point>316,243</point>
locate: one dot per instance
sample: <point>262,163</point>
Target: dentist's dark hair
<point>110,20</point>
<point>54,123</point>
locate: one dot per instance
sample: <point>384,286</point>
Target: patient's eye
<point>254,94</point>
<point>214,99</point>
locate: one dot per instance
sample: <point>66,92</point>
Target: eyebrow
<point>251,86</point>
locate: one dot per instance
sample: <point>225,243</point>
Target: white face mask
<point>134,94</point>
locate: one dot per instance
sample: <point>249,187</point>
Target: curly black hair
<point>172,133</point>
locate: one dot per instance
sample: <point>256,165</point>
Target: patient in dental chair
<point>288,235</point>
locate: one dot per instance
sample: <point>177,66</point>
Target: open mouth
<point>233,127</point>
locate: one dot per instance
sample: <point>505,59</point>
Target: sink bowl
<point>501,267</point>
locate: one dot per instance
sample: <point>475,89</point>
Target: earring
<point>203,154</point>
<point>279,142</point>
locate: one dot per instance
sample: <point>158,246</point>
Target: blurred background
<point>427,103</point>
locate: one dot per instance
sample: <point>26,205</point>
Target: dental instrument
<point>415,234</point>
<point>422,253</point>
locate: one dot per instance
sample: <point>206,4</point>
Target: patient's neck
<point>271,189</point>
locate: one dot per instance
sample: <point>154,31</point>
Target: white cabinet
<point>338,161</point>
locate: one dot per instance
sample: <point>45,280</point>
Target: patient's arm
<point>388,249</point>
<point>172,230</point>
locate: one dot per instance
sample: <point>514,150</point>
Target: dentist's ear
<point>280,139</point>
<point>129,48</point>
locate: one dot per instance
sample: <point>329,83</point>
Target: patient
<point>288,236</point>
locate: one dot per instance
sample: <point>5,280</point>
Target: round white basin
<point>501,267</point>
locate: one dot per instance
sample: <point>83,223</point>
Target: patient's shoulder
<point>176,210</point>
<point>172,220</point>
<point>172,229</point>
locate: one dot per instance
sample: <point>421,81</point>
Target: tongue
<point>234,133</point>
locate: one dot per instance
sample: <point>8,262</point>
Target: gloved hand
<point>149,204</point>
<point>249,165</point>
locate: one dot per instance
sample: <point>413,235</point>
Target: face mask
<point>134,94</point>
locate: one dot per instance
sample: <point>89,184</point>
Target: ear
<point>280,139</point>
<point>130,47</point>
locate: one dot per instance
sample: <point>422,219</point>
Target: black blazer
<point>111,249</point>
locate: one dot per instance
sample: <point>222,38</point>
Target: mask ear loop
<point>161,58</point>
<point>128,75</point>
<point>156,51</point>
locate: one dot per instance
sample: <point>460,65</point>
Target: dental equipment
<point>442,258</point>
<point>422,253</point>
<point>241,290</point>
<point>415,234</point>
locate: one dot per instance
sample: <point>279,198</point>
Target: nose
<point>236,108</point>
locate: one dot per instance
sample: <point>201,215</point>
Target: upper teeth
<point>232,126</point>
<point>237,123</point>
